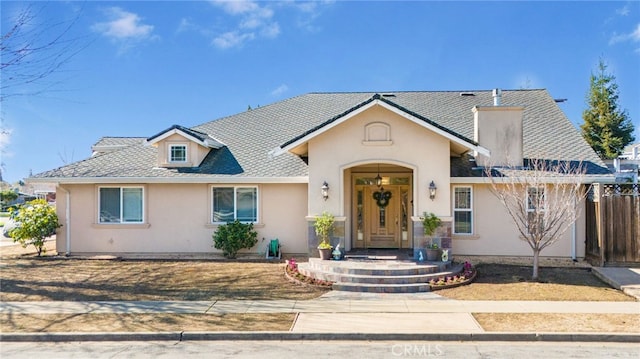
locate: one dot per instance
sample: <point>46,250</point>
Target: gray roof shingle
<point>250,136</point>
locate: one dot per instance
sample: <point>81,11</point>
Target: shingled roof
<point>249,137</point>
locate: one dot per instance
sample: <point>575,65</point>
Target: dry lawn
<point>556,322</point>
<point>510,282</point>
<point>36,279</point>
<point>32,323</point>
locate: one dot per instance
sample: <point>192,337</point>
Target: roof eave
<point>150,180</point>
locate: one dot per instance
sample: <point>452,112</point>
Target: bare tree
<point>33,49</point>
<point>543,199</point>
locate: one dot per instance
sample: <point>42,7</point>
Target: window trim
<point>235,202</point>
<point>121,222</point>
<point>542,210</point>
<point>470,209</point>
<point>170,153</point>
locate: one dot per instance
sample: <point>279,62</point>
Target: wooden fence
<point>613,225</point>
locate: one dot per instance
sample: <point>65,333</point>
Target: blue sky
<point>144,66</point>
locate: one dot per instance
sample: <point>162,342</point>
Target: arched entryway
<point>381,206</point>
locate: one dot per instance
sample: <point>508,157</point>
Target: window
<point>178,153</point>
<point>536,209</point>
<point>121,205</point>
<point>462,210</point>
<point>231,203</point>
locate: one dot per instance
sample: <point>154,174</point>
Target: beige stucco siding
<point>177,220</point>
<point>495,233</point>
<point>411,146</point>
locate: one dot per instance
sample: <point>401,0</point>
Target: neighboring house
<point>626,167</point>
<point>281,165</point>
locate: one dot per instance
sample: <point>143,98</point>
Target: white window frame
<point>531,209</point>
<point>170,153</point>
<point>142,219</point>
<point>470,210</point>
<point>235,202</point>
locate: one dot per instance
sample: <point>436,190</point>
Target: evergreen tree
<point>607,128</point>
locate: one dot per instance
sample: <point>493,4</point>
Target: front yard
<point>26,278</point>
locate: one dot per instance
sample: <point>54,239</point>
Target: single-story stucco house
<point>281,165</point>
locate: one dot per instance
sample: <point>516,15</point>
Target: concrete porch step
<point>382,288</point>
<point>377,267</point>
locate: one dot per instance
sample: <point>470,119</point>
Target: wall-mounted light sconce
<point>325,190</point>
<point>432,190</point>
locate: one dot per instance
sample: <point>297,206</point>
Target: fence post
<point>597,199</point>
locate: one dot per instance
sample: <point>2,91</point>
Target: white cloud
<point>236,7</point>
<point>271,31</point>
<point>255,21</point>
<point>125,28</point>
<point>232,39</point>
<point>5,138</point>
<point>633,36</point>
<point>280,90</point>
<point>623,11</point>
<point>185,25</point>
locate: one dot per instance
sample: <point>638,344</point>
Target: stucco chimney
<point>497,97</point>
<point>499,129</point>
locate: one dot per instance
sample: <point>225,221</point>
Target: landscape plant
<point>324,226</point>
<point>234,236</point>
<point>6,197</point>
<point>35,221</point>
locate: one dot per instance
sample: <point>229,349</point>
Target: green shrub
<point>35,221</point>
<point>233,236</point>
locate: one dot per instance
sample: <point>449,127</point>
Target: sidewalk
<point>392,303</point>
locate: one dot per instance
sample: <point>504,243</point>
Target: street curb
<point>283,336</point>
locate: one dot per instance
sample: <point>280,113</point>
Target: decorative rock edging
<point>455,284</point>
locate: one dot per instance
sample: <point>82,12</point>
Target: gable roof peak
<point>196,136</point>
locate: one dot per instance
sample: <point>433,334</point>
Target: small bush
<point>233,236</point>
<point>35,221</point>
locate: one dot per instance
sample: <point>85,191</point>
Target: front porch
<point>379,271</point>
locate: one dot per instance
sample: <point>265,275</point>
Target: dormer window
<point>178,153</point>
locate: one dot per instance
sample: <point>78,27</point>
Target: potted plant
<point>323,227</point>
<point>430,222</point>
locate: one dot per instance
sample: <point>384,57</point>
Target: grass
<point>33,323</point>
<point>510,282</point>
<point>558,322</point>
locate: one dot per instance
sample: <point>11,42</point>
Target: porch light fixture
<point>378,178</point>
<point>325,190</point>
<point>432,190</point>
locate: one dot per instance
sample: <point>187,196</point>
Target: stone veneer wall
<point>442,236</point>
<point>336,237</point>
